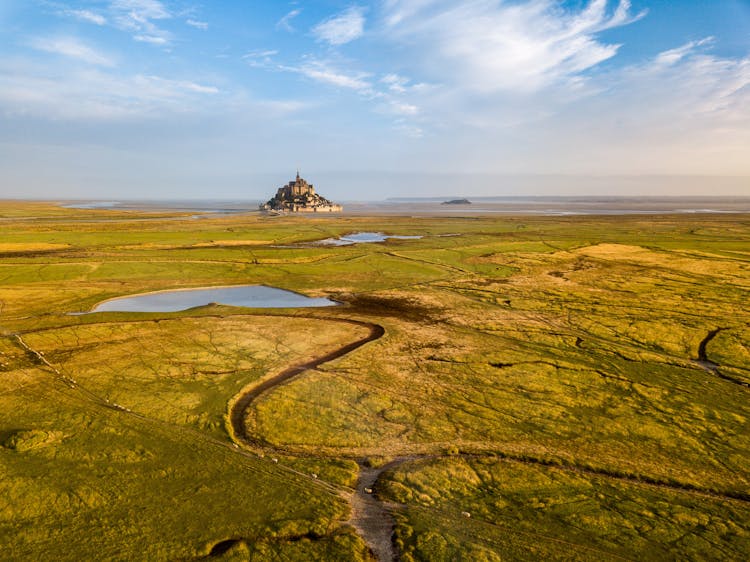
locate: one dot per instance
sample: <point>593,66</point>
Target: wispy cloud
<point>139,16</point>
<point>261,58</point>
<point>390,93</point>
<point>677,54</point>
<point>87,16</point>
<point>691,83</point>
<point>341,28</point>
<point>197,24</point>
<point>285,22</point>
<point>261,53</point>
<point>324,73</point>
<point>504,71</point>
<point>401,85</point>
<point>395,82</point>
<point>681,110</point>
<point>142,10</point>
<point>73,93</point>
<point>70,47</point>
<point>493,46</point>
<point>154,39</point>
<point>396,107</point>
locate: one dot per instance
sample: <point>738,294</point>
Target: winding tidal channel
<point>370,517</point>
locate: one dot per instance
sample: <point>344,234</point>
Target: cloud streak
<point>323,73</point>
<point>197,24</point>
<point>74,93</point>
<point>87,16</point>
<point>285,22</point>
<point>492,46</point>
<point>70,47</point>
<point>139,17</point>
<point>342,28</point>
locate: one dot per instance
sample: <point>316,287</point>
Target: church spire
<point>297,173</point>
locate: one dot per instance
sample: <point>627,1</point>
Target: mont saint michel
<point>298,196</point>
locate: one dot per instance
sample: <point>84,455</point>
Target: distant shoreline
<point>499,205</point>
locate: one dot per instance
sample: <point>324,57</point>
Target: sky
<point>373,99</point>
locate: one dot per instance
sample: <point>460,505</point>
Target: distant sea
<point>435,206</point>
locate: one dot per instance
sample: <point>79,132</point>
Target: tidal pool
<point>251,296</point>
<point>363,238</point>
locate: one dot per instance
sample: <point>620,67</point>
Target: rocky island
<point>457,202</point>
<point>298,196</point>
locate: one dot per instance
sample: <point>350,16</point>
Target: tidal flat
<point>511,386</point>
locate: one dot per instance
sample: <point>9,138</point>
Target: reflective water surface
<point>251,296</point>
<point>363,238</point>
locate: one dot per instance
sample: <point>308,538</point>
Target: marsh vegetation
<point>561,387</point>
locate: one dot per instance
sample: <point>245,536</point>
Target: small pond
<point>363,238</point>
<point>251,296</point>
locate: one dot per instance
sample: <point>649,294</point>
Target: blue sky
<point>179,98</point>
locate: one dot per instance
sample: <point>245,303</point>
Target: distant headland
<point>457,202</point>
<point>298,196</point>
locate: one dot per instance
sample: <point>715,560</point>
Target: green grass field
<point>572,388</point>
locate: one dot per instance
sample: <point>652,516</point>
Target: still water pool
<point>251,296</point>
<point>363,238</point>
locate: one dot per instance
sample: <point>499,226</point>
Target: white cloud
<point>335,78</point>
<point>138,16</point>
<point>262,58</point>
<point>689,117</point>
<point>285,22</point>
<point>191,86</point>
<point>322,72</point>
<point>391,92</point>
<point>395,82</point>
<point>70,47</point>
<point>262,53</point>
<point>677,54</point>
<point>488,46</point>
<point>341,28</point>
<point>197,24</point>
<point>141,10</point>
<point>684,85</point>
<point>391,100</point>
<point>401,108</point>
<point>153,39</point>
<point>53,91</point>
<point>398,10</point>
<point>87,16</point>
<point>401,85</point>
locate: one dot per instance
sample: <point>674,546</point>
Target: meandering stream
<point>369,516</point>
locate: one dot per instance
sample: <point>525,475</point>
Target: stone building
<point>298,196</point>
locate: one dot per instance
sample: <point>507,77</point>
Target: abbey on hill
<point>298,196</point>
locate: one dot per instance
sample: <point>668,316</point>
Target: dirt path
<point>370,516</point>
